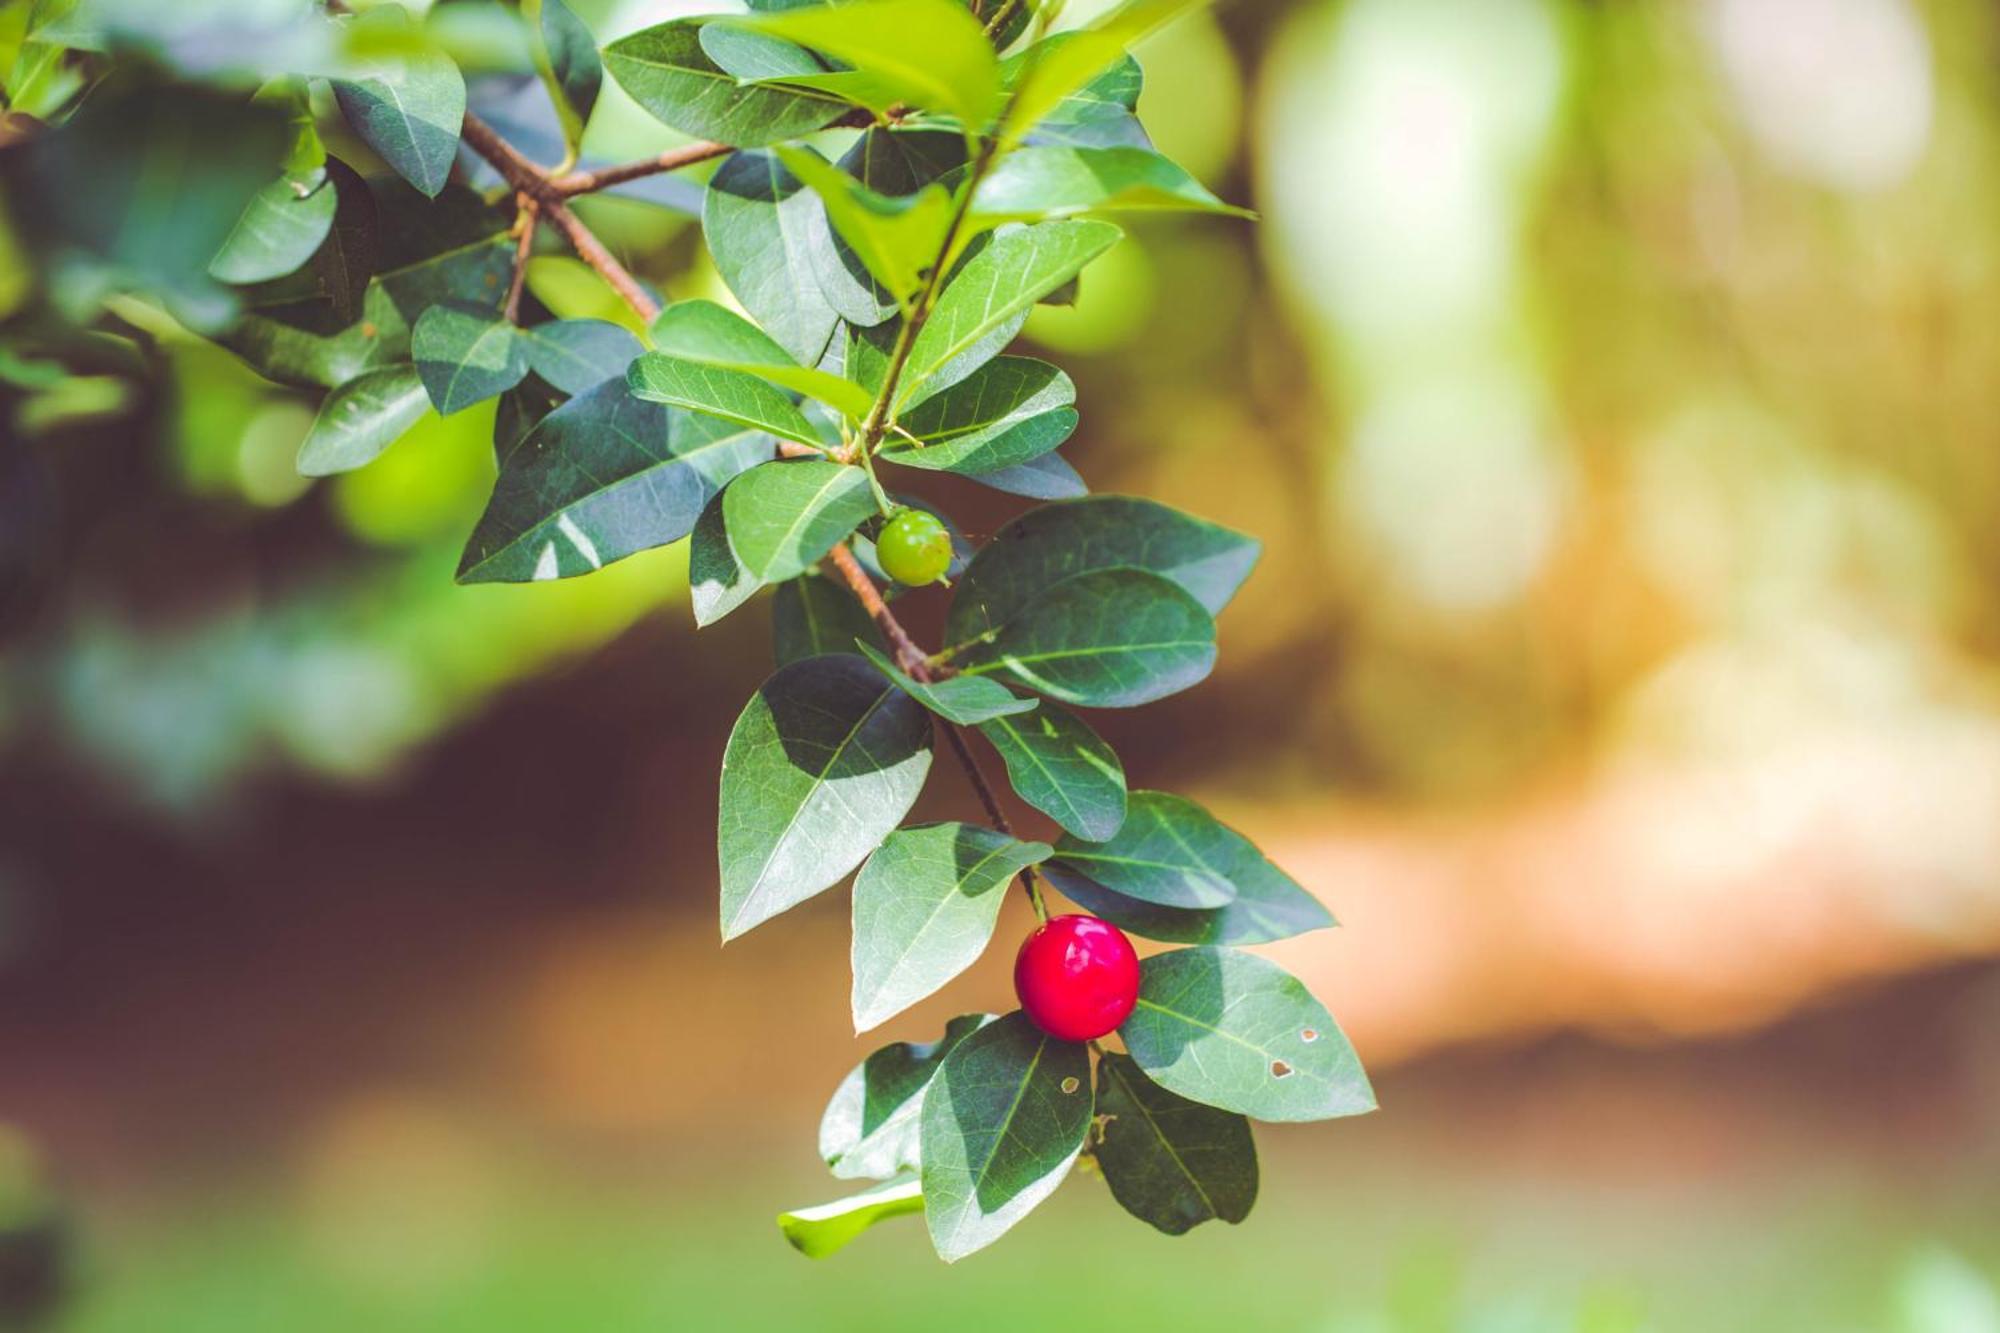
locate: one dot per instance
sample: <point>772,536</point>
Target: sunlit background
<point>1612,387</point>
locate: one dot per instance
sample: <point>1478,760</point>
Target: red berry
<point>1077,977</point>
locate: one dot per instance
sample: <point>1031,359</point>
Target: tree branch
<point>603,178</point>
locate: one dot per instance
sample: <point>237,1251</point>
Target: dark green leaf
<point>1010,411</point>
<point>519,411</point>
<point>1016,269</point>
<point>751,56</point>
<point>717,581</point>
<point>1266,909</point>
<point>1172,853</point>
<point>410,104</point>
<point>1097,115</point>
<point>466,356</point>
<point>1003,1121</point>
<point>827,1228</point>
<point>784,516</point>
<point>578,354</point>
<point>825,760</point>
<point>963,700</point>
<point>1053,181</point>
<point>896,238</point>
<point>758,221</point>
<point>1051,72</point>
<point>1171,1162</point>
<point>870,1127</point>
<point>733,395</point>
<point>930,54</point>
<point>1111,638</point>
<point>666,72</point>
<point>1049,477</point>
<point>600,477</point>
<point>890,162</point>
<point>1057,764</point>
<point>1233,1030</point>
<point>573,60</point>
<point>280,230</point>
<point>812,614</point>
<point>924,908</point>
<point>707,334</point>
<point>361,418</point>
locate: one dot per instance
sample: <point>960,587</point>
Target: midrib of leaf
<point>1060,654</point>
<point>937,909</point>
<point>1152,1123</point>
<point>806,513</point>
<point>1263,1052</point>
<point>1042,768</point>
<point>465,362</point>
<point>1000,1135</point>
<point>689,71</point>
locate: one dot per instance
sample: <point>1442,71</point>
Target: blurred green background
<point>1611,384</point>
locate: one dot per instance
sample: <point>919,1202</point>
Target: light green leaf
<point>893,162</point>
<point>828,1228</point>
<point>812,614</point>
<point>410,104</point>
<point>924,907</point>
<point>1016,268</point>
<point>753,57</point>
<point>1171,1162</point>
<point>361,418</point>
<point>666,71</point>
<point>1097,115</point>
<point>732,395</point>
<point>824,762</point>
<point>1233,1030</point>
<point>783,516</point>
<point>1002,1123</point>
<point>1057,764</point>
<point>897,238</point>
<point>758,220</point>
<point>599,478</point>
<point>1111,638</point>
<point>931,54</point>
<point>1055,181</point>
<point>1172,853</point>
<point>280,230</point>
<point>705,333</point>
<point>574,355</point>
<point>717,581</point>
<point>1054,70</point>
<point>870,1127</point>
<point>963,700</point>
<point>466,356</point>
<point>1010,411</point>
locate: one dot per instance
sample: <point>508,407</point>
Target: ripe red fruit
<point>1077,977</point>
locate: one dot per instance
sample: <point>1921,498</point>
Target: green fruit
<point>914,548</point>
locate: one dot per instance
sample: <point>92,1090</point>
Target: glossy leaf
<point>1054,71</point>
<point>361,418</point>
<point>599,478</point>
<point>1236,1031</point>
<point>1003,1121</point>
<point>576,355</point>
<point>812,614</point>
<point>1016,269</point>
<point>1112,638</point>
<point>827,1228</point>
<point>666,71</point>
<point>410,104</point>
<point>466,356</point>
<point>1172,853</point>
<point>1010,411</point>
<point>574,64</point>
<point>897,238</point>
<point>1171,1162</point>
<point>924,907</point>
<point>870,1127</point>
<point>717,581</point>
<point>1054,181</point>
<point>707,334</point>
<point>783,516</point>
<point>930,54</point>
<point>1265,909</point>
<point>963,700</point>
<point>1049,477</point>
<point>280,230</point>
<point>733,395</point>
<point>1097,115</point>
<point>824,762</point>
<point>1057,764</point>
<point>750,56</point>
<point>892,163</point>
<point>758,220</point>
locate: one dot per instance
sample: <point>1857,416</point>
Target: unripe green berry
<point>914,547</point>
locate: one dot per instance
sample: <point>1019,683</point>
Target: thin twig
<point>603,178</point>
<point>909,657</point>
<point>523,246</point>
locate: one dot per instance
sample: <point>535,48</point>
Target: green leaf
<point>1054,181</point>
<point>1057,764</point>
<point>1097,115</point>
<point>897,238</point>
<point>1233,1030</point>
<point>732,395</point>
<point>707,334</point>
<point>717,581</point>
<point>599,478</point>
<point>1171,1162</point>
<point>1172,853</point>
<point>280,230</point>
<point>924,908</point>
<point>574,64</point>
<point>575,355</point>
<point>410,104</point>
<point>1003,1121</point>
<point>758,220</point>
<point>1110,638</point>
<point>827,1228</point>
<point>1010,411</point>
<point>754,56</point>
<point>1054,70</point>
<point>783,516</point>
<point>1016,269</point>
<point>1264,910</point>
<point>963,700</point>
<point>1049,477</point>
<point>890,162</point>
<point>518,412</point>
<point>824,762</point>
<point>466,356</point>
<point>667,73</point>
<point>361,418</point>
<point>931,54</point>
<point>870,1127</point>
<point>812,614</point>
<point>1045,546</point>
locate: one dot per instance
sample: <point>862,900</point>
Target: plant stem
<point>603,178</point>
<point>527,208</point>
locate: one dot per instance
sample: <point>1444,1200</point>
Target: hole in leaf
<point>1070,1085</point>
<point>1309,1035</point>
<point>1279,1069</point>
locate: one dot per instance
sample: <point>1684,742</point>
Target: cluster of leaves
<point>978,152</point>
